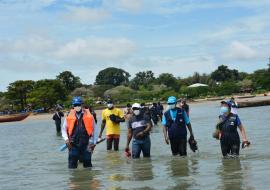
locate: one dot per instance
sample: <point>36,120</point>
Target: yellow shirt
<point>111,127</point>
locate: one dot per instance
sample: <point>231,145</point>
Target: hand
<point>127,152</point>
<point>167,140</point>
<point>99,139</point>
<point>245,144</point>
<point>91,147</point>
<point>68,143</point>
<point>140,134</point>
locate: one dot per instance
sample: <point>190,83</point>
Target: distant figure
<point>57,119</point>
<point>145,110</point>
<point>154,113</point>
<point>128,112</point>
<point>184,106</point>
<point>160,109</point>
<point>92,111</point>
<point>234,106</point>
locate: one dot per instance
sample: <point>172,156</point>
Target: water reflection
<point>142,169</point>
<point>231,174</point>
<point>83,179</point>
<point>180,172</point>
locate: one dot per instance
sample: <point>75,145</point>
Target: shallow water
<point>30,158</point>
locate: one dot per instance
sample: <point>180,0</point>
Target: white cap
<point>136,105</point>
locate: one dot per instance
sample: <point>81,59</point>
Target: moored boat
<point>13,117</point>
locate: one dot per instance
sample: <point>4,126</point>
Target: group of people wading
<point>80,130</point>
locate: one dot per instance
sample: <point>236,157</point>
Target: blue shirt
<point>173,116</point>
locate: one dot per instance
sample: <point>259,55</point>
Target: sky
<point>41,38</point>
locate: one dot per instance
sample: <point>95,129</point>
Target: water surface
<point>30,158</point>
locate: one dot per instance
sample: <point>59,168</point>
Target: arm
<point>190,129</point>
<point>148,128</point>
<point>64,131</point>
<point>129,137</point>
<point>94,138</point>
<point>243,132</point>
<point>102,128</point>
<point>187,121</point>
<point>165,133</point>
<point>145,131</point>
<point>65,135</point>
<point>121,116</point>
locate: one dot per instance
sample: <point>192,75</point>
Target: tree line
<point>115,83</point>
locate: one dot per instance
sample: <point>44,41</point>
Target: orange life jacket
<point>88,121</point>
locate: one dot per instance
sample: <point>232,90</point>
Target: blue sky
<point>41,38</point>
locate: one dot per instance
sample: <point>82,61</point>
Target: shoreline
<point>259,97</point>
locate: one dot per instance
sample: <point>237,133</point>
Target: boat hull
<point>13,117</point>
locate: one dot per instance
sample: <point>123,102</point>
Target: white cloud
<point>241,51</point>
<point>31,45</point>
<point>97,48</point>
<point>83,14</point>
<point>178,66</point>
<point>35,52</point>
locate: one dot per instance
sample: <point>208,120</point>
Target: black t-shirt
<point>138,124</point>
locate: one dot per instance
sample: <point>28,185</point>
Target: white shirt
<point>92,140</point>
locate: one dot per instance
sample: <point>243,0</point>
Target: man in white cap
<point>139,127</point>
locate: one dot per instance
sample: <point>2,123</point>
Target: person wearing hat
<point>227,131</point>
<point>184,105</point>
<point>139,126</point>
<point>234,105</point>
<point>111,119</point>
<point>175,123</point>
<point>80,134</point>
<point>128,112</point>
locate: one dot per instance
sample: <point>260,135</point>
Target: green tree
<point>261,78</point>
<point>145,78</point>
<point>47,93</point>
<point>223,73</point>
<point>69,81</point>
<point>99,90</point>
<point>112,76</point>
<point>18,92</point>
<point>169,80</point>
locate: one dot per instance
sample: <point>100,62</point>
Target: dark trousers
<point>58,127</point>
<point>230,144</point>
<point>179,146</point>
<point>113,140</point>
<point>75,153</point>
<point>230,148</point>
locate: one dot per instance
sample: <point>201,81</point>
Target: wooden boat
<point>247,96</point>
<point>13,117</point>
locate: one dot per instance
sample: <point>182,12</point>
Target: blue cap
<point>172,100</point>
<point>76,100</point>
<point>227,102</point>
